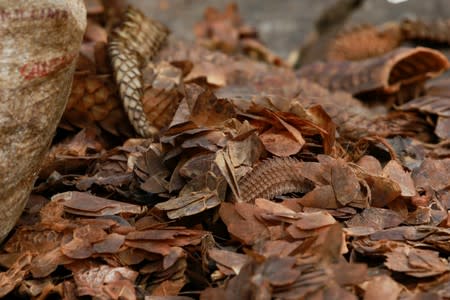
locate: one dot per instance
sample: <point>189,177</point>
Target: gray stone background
<point>284,24</point>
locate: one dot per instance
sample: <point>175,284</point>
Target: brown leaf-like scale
<point>386,74</point>
<point>429,104</point>
<point>351,116</point>
<point>364,41</point>
<point>161,93</point>
<point>437,31</point>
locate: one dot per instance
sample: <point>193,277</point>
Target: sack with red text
<point>39,45</point>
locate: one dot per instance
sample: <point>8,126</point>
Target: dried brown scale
<point>161,96</point>
<point>429,104</point>
<point>385,74</point>
<point>273,177</point>
<point>160,106</point>
<point>328,25</point>
<point>336,14</point>
<point>402,123</point>
<point>351,116</point>
<point>437,31</point>
<point>134,43</point>
<point>439,106</point>
<point>364,41</point>
<point>440,88</point>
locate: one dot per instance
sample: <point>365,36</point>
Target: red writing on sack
<point>37,69</point>
<point>32,14</point>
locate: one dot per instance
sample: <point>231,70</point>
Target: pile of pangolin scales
<point>213,170</point>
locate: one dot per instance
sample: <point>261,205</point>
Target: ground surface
<point>284,24</point>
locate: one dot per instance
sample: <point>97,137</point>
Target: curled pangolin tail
<point>133,44</point>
